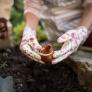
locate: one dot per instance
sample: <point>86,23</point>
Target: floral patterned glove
<point>71,39</point>
<point>29,44</point>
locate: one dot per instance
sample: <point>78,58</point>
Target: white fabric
<point>32,6</point>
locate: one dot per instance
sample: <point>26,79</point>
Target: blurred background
<point>17,20</point>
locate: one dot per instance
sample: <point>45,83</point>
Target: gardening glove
<point>71,41</point>
<point>29,44</point>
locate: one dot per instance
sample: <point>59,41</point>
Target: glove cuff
<point>84,29</point>
<point>29,33</point>
<point>84,33</point>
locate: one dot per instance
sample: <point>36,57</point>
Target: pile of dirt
<point>30,76</point>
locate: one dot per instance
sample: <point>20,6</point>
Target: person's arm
<point>87,17</point>
<point>31,20</point>
<point>29,44</point>
<point>32,10</point>
<point>72,39</point>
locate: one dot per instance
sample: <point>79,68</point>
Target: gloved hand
<point>71,41</point>
<point>29,44</point>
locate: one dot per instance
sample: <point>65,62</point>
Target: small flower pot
<point>46,54</point>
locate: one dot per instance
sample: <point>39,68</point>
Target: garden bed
<point>30,76</point>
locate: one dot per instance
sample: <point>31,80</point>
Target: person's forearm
<point>87,17</point>
<point>31,20</point>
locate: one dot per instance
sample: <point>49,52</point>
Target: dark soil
<point>30,76</point>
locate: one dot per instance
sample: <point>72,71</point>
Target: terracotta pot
<point>47,53</point>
